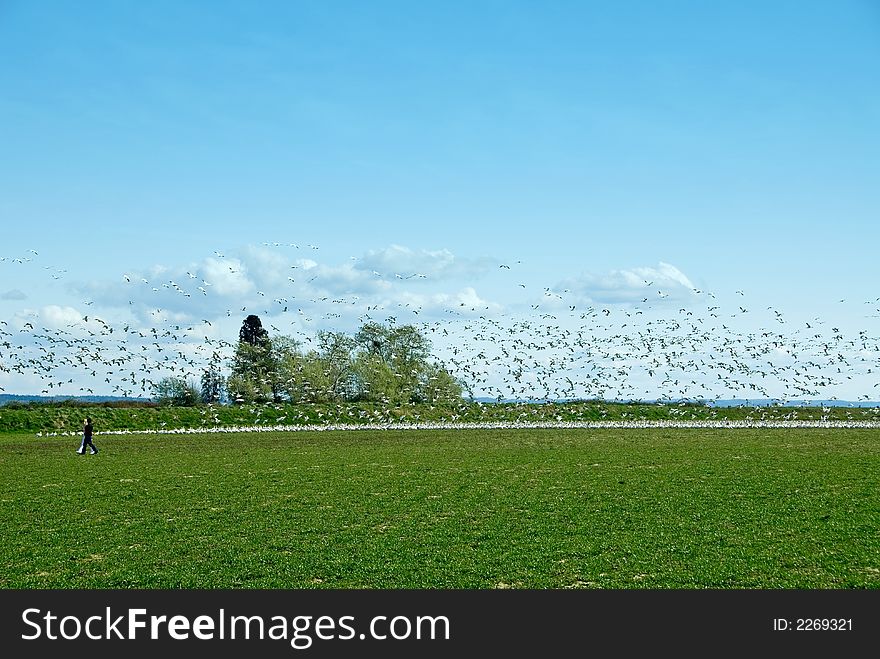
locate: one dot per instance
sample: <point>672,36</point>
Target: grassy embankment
<point>67,418</point>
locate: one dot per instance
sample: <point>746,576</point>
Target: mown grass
<point>647,508</point>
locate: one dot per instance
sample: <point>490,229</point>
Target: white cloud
<point>227,277</point>
<point>664,282</point>
<point>468,297</point>
<point>667,272</point>
<point>51,316</point>
<point>343,280</point>
<point>465,301</point>
<point>421,264</point>
<point>290,290</point>
<point>55,317</point>
<point>265,266</point>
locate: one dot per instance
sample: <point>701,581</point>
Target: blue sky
<point>591,147</point>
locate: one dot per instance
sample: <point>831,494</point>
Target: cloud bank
<point>663,283</point>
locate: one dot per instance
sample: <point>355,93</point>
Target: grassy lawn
<point>612,508</point>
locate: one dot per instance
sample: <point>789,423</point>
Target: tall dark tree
<point>253,377</point>
<point>252,332</point>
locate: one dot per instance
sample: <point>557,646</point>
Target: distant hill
<point>764,402</point>
<point>732,402</point>
<point>19,398</point>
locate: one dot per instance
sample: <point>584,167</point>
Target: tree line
<point>383,363</point>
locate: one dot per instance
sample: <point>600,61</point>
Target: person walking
<point>87,438</point>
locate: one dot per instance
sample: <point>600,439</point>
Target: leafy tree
<point>335,352</point>
<point>438,386</point>
<point>395,345</point>
<point>176,391</point>
<point>375,378</point>
<point>394,366</point>
<point>213,384</point>
<point>303,377</point>
<point>382,363</point>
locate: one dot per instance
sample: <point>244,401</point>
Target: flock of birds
<point>553,347</point>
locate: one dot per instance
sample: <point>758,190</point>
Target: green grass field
<point>612,508</point>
